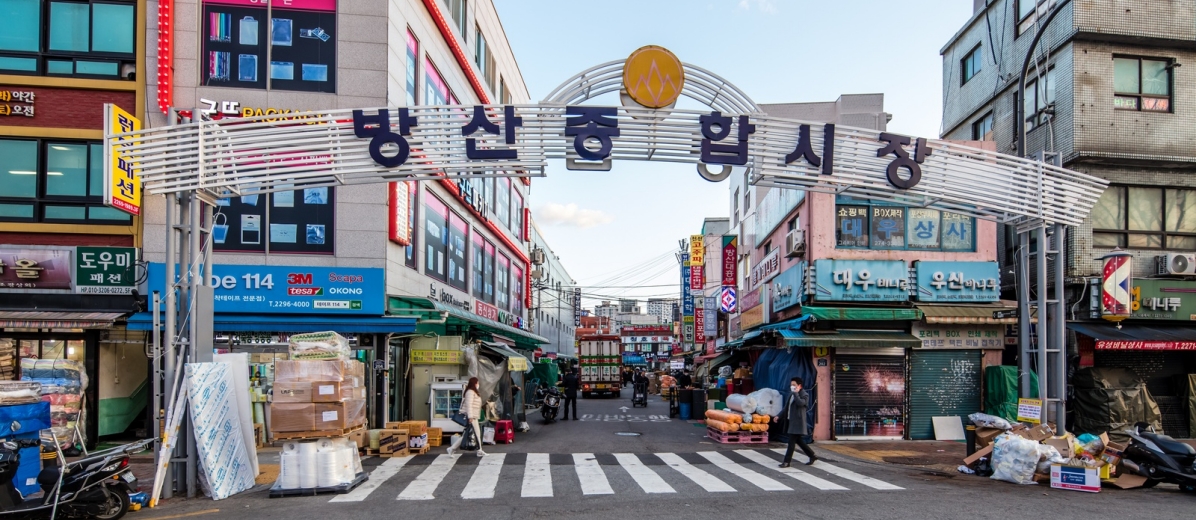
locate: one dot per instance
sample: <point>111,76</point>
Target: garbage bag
<point>989,421</point>
<point>1048,455</point>
<point>1014,459</point>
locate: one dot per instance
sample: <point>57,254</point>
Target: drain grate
<point>628,434</point>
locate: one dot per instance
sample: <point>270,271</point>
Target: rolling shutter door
<point>869,394</point>
<point>942,383</point>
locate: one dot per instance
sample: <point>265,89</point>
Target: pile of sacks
<point>1023,454</point>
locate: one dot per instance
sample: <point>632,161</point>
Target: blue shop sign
<point>861,281</point>
<point>634,359</point>
<point>958,281</point>
<point>788,288</point>
<point>274,289</point>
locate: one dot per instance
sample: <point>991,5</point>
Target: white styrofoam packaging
<point>217,429</point>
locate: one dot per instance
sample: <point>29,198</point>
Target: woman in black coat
<point>798,403</point>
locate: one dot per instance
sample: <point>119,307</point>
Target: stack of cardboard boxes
<point>318,396</point>
<point>400,439</point>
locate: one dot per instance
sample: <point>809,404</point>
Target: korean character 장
<point>378,127</point>
<point>479,121</point>
<point>584,123</point>
<point>896,146</point>
<point>730,154</point>
<point>805,148</point>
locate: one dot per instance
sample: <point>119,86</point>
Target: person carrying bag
<point>471,407</point>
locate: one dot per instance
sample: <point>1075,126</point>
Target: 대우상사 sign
<point>105,270</point>
<point>275,289</point>
<point>860,280</point>
<point>958,281</point>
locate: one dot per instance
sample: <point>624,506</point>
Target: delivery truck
<point>601,362</point>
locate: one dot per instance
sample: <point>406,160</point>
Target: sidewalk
<point>943,456</point>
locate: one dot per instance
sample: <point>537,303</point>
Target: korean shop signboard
<point>1163,300</point>
<point>958,281</point>
<point>105,270</point>
<point>860,280</point>
<point>34,269</point>
<point>122,185</point>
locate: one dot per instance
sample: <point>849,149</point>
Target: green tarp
<point>1000,391</point>
<point>1111,400</point>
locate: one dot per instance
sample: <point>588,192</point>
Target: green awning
<point>849,339</point>
<point>734,344</point>
<point>846,313</point>
<point>425,309</point>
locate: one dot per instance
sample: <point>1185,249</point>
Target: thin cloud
<point>569,215</point>
<point>765,6</point>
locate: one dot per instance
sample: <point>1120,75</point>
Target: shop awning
<point>733,344</point>
<point>715,359</point>
<point>787,324</point>
<point>57,320</point>
<point>848,313</point>
<point>425,309</point>
<point>1137,337</point>
<point>515,361</point>
<point>291,323</point>
<point>849,339</point>
<point>977,314</point>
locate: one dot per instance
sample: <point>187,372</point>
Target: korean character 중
<point>582,123</point>
<point>805,148</point>
<point>378,127</point>
<point>479,121</point>
<point>732,154</point>
<point>896,146</point>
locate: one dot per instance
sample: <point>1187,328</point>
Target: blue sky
<point>777,51</point>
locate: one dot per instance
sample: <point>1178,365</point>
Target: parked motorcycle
<point>551,397</point>
<point>94,487</point>
<point>1160,458</point>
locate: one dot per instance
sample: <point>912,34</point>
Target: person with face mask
<point>799,401</point>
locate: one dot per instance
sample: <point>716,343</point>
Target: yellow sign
<point>1029,410</point>
<point>653,76</point>
<point>436,357</point>
<point>697,250</point>
<point>122,179</point>
<point>517,364</point>
<point>821,351</point>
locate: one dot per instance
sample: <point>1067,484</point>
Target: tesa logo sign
<point>302,279</point>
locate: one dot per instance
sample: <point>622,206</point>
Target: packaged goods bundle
<point>726,417</point>
<point>324,395</point>
<point>722,426</point>
<point>768,401</point>
<point>62,383</point>
<point>760,419</point>
<point>322,463</point>
<point>741,403</point>
<point>1015,459</point>
<point>20,392</point>
<point>319,345</point>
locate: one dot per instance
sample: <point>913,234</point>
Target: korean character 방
<point>480,121</point>
<point>896,146</point>
<point>378,127</point>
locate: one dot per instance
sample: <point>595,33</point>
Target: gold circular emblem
<point>653,76</point>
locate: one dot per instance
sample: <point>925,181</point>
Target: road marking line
<point>593,479</point>
<point>648,480</point>
<point>424,486</point>
<point>537,476</point>
<point>768,462</point>
<point>485,477</point>
<point>379,476</point>
<point>847,474</point>
<point>700,477</point>
<point>185,515</point>
<point>740,471</point>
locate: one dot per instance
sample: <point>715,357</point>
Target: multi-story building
<point>663,308</point>
<point>1105,95</point>
<point>451,258</point>
<point>68,263</point>
<point>552,299</point>
<point>606,309</point>
<point>629,306</point>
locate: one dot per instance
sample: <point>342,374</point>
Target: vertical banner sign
<point>711,311</point>
<point>399,205</point>
<point>122,182</point>
<point>577,306</point>
<point>687,301</point>
<point>697,250</point>
<point>1117,283</point>
<point>730,260</point>
<point>699,319</point>
<point>727,300</point>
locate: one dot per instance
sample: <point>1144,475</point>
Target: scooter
<point>94,487</point>
<point>1160,458</point>
<point>551,397</point>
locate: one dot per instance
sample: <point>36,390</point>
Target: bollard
<point>969,436</point>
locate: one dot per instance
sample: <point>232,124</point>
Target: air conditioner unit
<point>795,243</point>
<point>1183,264</point>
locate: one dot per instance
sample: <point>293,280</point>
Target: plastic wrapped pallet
<point>215,419</point>
<point>769,402</point>
<point>319,345</point>
<point>721,426</point>
<point>1014,459</point>
<point>290,371</point>
<point>741,403</point>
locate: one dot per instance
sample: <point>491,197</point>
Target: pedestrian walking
<point>571,385</point>
<point>471,406</point>
<point>799,401</point>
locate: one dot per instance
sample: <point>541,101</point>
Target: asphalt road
<point>592,468</point>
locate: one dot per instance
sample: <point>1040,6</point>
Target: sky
<point>615,231</point>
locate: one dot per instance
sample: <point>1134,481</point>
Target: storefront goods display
<point>329,465</point>
<point>292,371</point>
<point>319,345</point>
<point>62,384</point>
<point>20,392</point>
<point>726,417</point>
<point>214,406</point>
<point>1111,400</point>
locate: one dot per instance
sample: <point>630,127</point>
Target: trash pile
<point>1033,454</point>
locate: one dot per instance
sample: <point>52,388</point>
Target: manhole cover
<point>628,434</point>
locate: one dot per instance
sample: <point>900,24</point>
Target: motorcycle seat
<point>1168,445</point>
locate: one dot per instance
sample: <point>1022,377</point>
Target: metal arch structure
<point>700,85</point>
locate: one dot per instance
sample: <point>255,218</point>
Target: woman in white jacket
<point>471,406</point>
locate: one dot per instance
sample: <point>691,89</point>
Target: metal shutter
<point>869,395</point>
<point>942,383</point>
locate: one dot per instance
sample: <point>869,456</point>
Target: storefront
<point>256,308</point>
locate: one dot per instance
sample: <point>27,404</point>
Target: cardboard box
<point>1075,478</point>
<point>309,371</point>
<point>392,443</point>
<point>292,417</point>
<point>985,436</point>
<point>340,415</point>
<point>1128,481</point>
<point>979,454</point>
<point>1113,452</point>
<point>359,438</point>
<point>1038,433</point>
<point>353,392</point>
<point>415,428</point>
<point>307,392</point>
<point>1062,444</point>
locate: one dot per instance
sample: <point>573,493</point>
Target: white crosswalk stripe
<point>648,480</point>
<point>699,476</point>
<point>537,476</point>
<point>485,477</point>
<point>740,471</point>
<point>847,474</point>
<point>589,472</point>
<point>377,477</point>
<point>769,462</point>
<point>424,486</point>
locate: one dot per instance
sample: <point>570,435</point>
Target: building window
<point>478,261</point>
<point>503,94</point>
<point>88,39</point>
<point>458,234</point>
<point>437,91</point>
<point>735,208</point>
<point>459,10</point>
<point>412,69</point>
<point>767,247</point>
<point>488,273</point>
<point>1028,12</point>
<point>503,201</point>
<point>971,64</point>
<point>489,195</point>
<point>793,223</point>
<point>412,200</point>
<point>503,282</point>
<point>517,286</point>
<point>861,226</point>
<point>1040,98</point>
<point>747,193</point>
<point>484,59</point>
<point>436,237</point>
<point>982,128</point>
<point>517,215</point>
<point>54,181</point>
<point>1144,217</point>
<point>1141,84</point>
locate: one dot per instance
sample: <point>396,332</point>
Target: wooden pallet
<point>740,437</point>
<point>290,436</point>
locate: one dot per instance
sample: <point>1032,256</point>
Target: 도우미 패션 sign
<point>958,281</point>
<point>861,280</point>
<point>105,270</point>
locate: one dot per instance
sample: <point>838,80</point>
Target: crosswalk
<point>544,475</point>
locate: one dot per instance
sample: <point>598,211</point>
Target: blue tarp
<point>775,368</point>
<point>24,418</point>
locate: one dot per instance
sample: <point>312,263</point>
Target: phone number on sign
<point>285,303</point>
